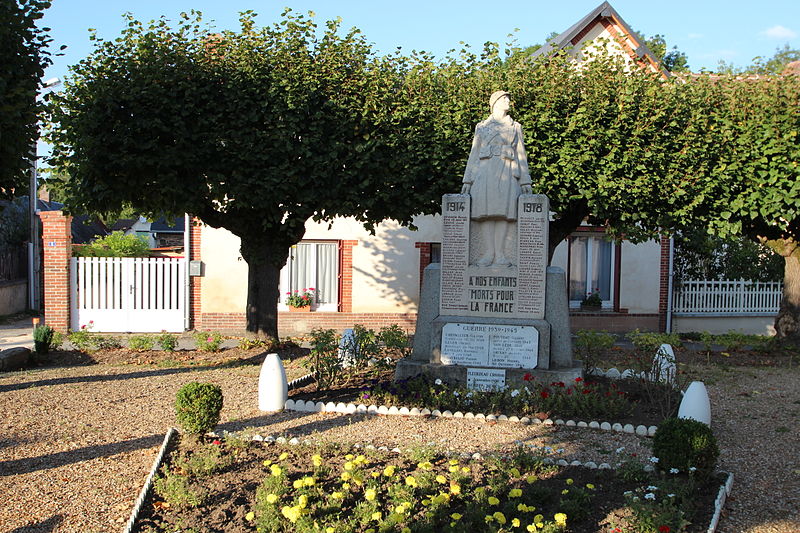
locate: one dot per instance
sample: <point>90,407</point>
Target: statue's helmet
<point>496,96</point>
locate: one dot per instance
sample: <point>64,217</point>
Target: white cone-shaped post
<point>664,364</point>
<point>695,403</point>
<point>273,390</point>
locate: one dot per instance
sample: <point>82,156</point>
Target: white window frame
<point>590,250</point>
<point>284,279</point>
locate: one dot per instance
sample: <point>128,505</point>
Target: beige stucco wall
<point>640,277</point>
<point>751,325</point>
<point>13,297</point>
<point>386,267</point>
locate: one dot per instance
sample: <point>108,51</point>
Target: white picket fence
<point>727,297</point>
<point>125,294</point>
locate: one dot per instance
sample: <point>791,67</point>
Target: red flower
<point>527,377</point>
<point>217,442</point>
<point>663,529</point>
<point>544,394</point>
<point>587,391</point>
<point>578,380</point>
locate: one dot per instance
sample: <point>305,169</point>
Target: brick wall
<point>424,258</point>
<point>195,282</point>
<point>56,253</point>
<point>303,323</point>
<point>346,276</point>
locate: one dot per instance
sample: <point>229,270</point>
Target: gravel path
<point>77,442</point>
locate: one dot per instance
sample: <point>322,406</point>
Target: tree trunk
<point>787,323</point>
<point>264,262</point>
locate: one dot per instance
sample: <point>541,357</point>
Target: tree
<point>254,131</point>
<point>23,58</point>
<point>773,65</point>
<point>672,59</point>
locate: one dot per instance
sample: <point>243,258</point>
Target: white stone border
<point>148,483</point>
<point>719,503</point>
<point>350,408</point>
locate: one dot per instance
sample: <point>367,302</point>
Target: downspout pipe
<point>671,275</point>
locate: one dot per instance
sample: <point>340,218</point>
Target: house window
<point>436,252</point>
<point>591,269</point>
<point>313,265</point>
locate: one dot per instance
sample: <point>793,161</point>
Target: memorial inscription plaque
<point>533,220</point>
<point>490,345</point>
<point>486,379</point>
<point>455,253</point>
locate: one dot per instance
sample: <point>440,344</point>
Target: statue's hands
<point>466,188</point>
<point>527,189</point>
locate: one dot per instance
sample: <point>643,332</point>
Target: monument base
<point>457,374</point>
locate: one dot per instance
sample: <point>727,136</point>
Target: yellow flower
<point>455,516</point>
<point>441,479</point>
<point>531,528</point>
<point>329,529</point>
<point>369,494</point>
<point>538,520</point>
<point>590,486</point>
<point>570,481</point>
<point>346,486</point>
<point>411,481</point>
<point>359,480</point>
<point>360,460</point>
<point>514,472</point>
<point>500,517</point>
<point>308,481</point>
<point>561,519</point>
<point>349,457</point>
<point>292,513</point>
<point>453,469</point>
<point>348,465</point>
<point>488,518</point>
<point>316,460</point>
<point>249,516</point>
<point>389,471</point>
<point>426,465</point>
<point>493,500</point>
<point>377,516</point>
<point>565,491</point>
<point>375,474</point>
<point>302,501</point>
<point>531,479</point>
<point>441,498</point>
<point>272,498</point>
<point>515,493</point>
<point>400,509</point>
<point>465,469</point>
<point>276,470</point>
<point>405,530</point>
<point>346,476</point>
<point>283,456</point>
<point>297,483</point>
<point>515,522</point>
<point>267,462</point>
<point>337,495</point>
<point>455,488</point>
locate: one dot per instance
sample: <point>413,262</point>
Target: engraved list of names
<point>532,219</point>
<point>455,253</point>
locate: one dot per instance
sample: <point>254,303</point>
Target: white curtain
<point>327,273</point>
<point>301,269</point>
<point>601,268</point>
<point>577,268</point>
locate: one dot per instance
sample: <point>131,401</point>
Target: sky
<point>708,31</point>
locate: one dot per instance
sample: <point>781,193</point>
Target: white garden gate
<point>126,294</point>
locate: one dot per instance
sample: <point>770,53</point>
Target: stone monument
<point>492,312</point>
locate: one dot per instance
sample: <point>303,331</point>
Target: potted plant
<point>592,302</point>
<point>300,300</point>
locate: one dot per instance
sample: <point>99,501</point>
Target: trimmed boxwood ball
<point>683,443</point>
<point>197,407</point>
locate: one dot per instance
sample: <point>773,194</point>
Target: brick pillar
<point>346,276</point>
<point>195,282</point>
<point>57,252</point>
<point>663,292</point>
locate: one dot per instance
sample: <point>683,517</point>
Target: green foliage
<point>649,342</point>
<point>87,342</point>
<point>685,444</point>
<point>24,57</point>
<point>168,341</point>
<point>673,60</point>
<point>699,255</point>
<point>265,344</point>
<point>178,490</point>
<point>761,65</point>
<point>141,343</point>
<point>201,462</point>
<point>198,406</point>
<point>117,244</point>
<point>324,360</point>
<point>43,338</point>
<point>208,341</point>
<point>395,342</point>
<point>590,346</point>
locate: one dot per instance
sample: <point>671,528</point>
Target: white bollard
<point>347,348</point>
<point>695,403</point>
<point>273,390</point>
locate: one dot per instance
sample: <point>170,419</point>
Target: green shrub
<point>324,358</point>
<point>43,338</point>
<point>115,245</point>
<point>178,491</point>
<point>685,444</point>
<point>649,342</point>
<point>141,343</point>
<point>208,341</point>
<point>197,407</point>
<point>168,341</point>
<point>590,346</point>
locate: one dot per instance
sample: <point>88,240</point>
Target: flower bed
<point>234,484</point>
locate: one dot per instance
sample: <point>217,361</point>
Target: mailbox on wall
<point>195,268</point>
